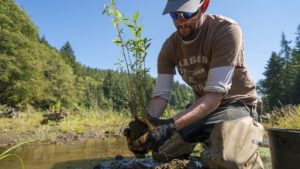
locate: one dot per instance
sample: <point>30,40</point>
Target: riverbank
<point>75,130</point>
<point>71,127</point>
<point>76,127</point>
<point>109,153</point>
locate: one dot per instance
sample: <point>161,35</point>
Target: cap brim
<point>181,6</point>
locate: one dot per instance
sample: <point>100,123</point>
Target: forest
<point>60,100</point>
<point>282,75</point>
<point>34,73</point>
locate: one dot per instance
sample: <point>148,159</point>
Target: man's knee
<point>233,144</point>
<point>174,148</point>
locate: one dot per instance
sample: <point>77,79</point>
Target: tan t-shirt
<point>219,44</point>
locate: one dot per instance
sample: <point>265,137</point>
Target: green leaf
<point>130,26</point>
<point>112,3</point>
<point>105,10</point>
<point>136,16</point>
<point>118,14</point>
<point>105,6</point>
<point>147,46</point>
<point>115,23</point>
<point>117,42</point>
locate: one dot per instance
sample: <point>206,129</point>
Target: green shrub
<point>134,51</point>
<point>287,116</point>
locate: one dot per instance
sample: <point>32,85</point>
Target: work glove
<point>136,137</point>
<point>148,133</point>
<point>162,132</point>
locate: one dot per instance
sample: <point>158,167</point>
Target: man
<point>207,51</point>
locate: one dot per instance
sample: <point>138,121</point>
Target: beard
<point>186,32</point>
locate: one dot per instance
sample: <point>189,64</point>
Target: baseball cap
<point>182,6</point>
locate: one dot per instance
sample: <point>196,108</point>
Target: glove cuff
<point>149,117</point>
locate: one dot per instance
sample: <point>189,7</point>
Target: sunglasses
<point>185,15</point>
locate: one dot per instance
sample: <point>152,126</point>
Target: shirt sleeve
<point>219,79</point>
<point>165,63</point>
<point>163,86</point>
<point>227,46</point>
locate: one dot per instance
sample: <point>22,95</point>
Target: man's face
<point>187,28</point>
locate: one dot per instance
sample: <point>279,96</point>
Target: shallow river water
<point>72,156</point>
<point>66,156</point>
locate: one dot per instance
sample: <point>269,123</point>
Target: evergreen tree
<point>273,84</point>
<point>119,96</point>
<point>108,83</point>
<point>59,81</point>
<point>281,85</point>
<point>181,96</point>
<point>288,70</point>
<point>296,65</point>
<point>68,55</point>
<point>44,40</point>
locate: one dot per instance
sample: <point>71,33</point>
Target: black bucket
<point>285,148</point>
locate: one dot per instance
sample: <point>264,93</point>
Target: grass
<point>264,152</point>
<point>265,155</point>
<point>28,125</point>
<point>197,150</point>
<point>25,122</point>
<point>285,117</point>
<point>7,154</point>
<point>98,121</point>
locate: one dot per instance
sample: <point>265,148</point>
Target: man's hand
<point>148,133</point>
<point>136,136</point>
<point>162,131</point>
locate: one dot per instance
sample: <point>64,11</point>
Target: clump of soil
<point>148,163</point>
<point>136,129</point>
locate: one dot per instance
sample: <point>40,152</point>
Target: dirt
<point>66,138</point>
<point>136,129</point>
<point>9,139</point>
<point>148,163</point>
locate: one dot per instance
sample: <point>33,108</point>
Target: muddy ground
<point>193,162</point>
<point>148,163</point>
<point>9,139</point>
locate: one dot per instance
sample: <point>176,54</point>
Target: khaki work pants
<point>231,145</point>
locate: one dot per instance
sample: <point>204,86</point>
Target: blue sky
<point>91,34</point>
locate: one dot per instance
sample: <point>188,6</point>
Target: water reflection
<point>72,156</point>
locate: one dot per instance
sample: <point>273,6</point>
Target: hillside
<point>34,73</point>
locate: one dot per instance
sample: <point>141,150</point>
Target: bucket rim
<point>283,130</point>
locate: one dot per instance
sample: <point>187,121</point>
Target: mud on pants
<point>229,135</point>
